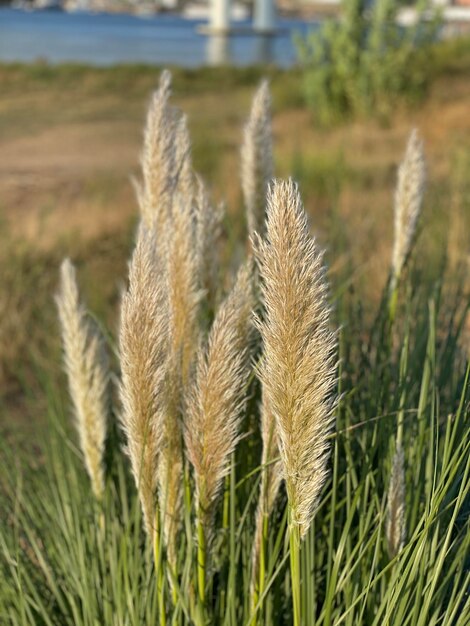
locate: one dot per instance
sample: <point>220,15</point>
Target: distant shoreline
<point>314,10</point>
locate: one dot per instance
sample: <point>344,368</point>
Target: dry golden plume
<point>408,199</point>
<point>184,295</point>
<point>143,337</point>
<point>87,373</point>
<point>208,233</point>
<point>257,159</point>
<point>182,282</point>
<point>166,200</point>
<point>158,157</point>
<point>217,400</point>
<point>298,369</point>
<point>184,176</point>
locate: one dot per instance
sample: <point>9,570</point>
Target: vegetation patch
<point>251,446</point>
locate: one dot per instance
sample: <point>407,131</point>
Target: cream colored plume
<point>218,397</point>
<point>158,157</point>
<point>184,183</point>
<point>87,372</point>
<point>166,160</point>
<point>208,233</point>
<point>181,278</point>
<point>257,159</point>
<point>167,203</point>
<point>298,370</point>
<point>408,200</point>
<point>143,337</point>
<point>395,527</point>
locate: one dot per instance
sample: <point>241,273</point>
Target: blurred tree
<point>362,63</point>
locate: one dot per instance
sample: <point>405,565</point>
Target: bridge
<point>264,17</point>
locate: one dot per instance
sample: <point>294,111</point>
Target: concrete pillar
<point>220,15</point>
<point>264,17</point>
<point>218,50</point>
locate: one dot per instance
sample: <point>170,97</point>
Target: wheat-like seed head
<point>184,184</point>
<point>170,461</point>
<point>184,294</point>
<point>168,183</point>
<point>208,232</point>
<point>143,337</point>
<point>158,157</point>
<point>257,159</point>
<point>408,200</point>
<point>218,396</point>
<point>298,371</point>
<point>181,278</point>
<point>87,372</point>
<point>396,524</point>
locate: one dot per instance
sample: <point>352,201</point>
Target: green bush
<point>364,63</point>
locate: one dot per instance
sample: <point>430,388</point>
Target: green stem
<point>260,575</point>
<point>226,508</point>
<point>393,299</point>
<point>262,556</point>
<point>294,544</point>
<point>254,602</point>
<point>157,555</point>
<point>402,380</point>
<point>201,562</point>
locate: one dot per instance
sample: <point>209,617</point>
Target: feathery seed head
<point>181,279</point>
<point>143,337</point>
<point>208,232</point>
<point>298,371</point>
<point>396,524</point>
<point>158,157</point>
<point>184,170</point>
<point>174,228</point>
<point>182,276</point>
<point>257,158</point>
<point>408,199</point>
<point>217,400</point>
<point>87,372</point>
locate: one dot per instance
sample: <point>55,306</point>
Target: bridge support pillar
<point>220,16</point>
<point>264,17</point>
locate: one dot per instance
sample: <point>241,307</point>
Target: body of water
<point>107,39</point>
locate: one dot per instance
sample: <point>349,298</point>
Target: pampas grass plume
<point>208,233</point>
<point>218,396</point>
<point>408,201</point>
<point>158,157</point>
<point>298,370</point>
<point>143,337</point>
<point>184,183</point>
<point>87,373</point>
<point>257,159</point>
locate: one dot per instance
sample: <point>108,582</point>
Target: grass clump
<point>310,468</point>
